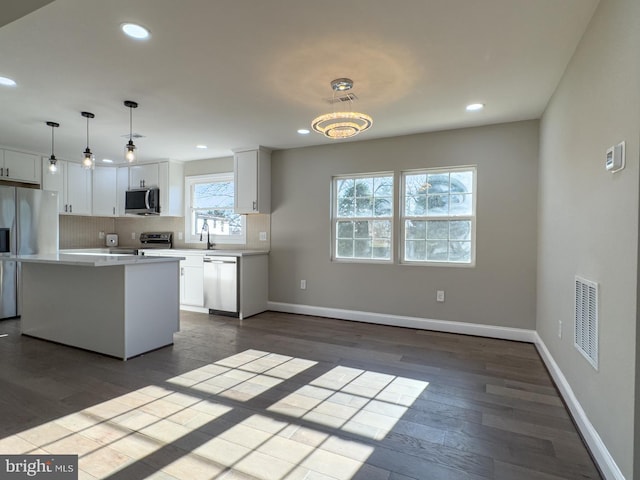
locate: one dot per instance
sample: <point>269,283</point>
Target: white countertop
<point>90,260</point>
<point>221,253</point>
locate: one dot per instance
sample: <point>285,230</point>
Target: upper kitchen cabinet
<point>73,184</point>
<point>19,166</point>
<point>104,192</point>
<point>144,176</point>
<point>122,185</point>
<point>167,176</point>
<point>252,177</point>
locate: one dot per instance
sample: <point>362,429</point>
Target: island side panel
<point>152,306</point>
<point>254,284</point>
<point>75,305</point>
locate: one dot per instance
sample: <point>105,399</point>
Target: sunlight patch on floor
<point>198,424</point>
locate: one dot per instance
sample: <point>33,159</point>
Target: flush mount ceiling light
<point>53,167</point>
<point>130,148</point>
<point>7,82</point>
<point>338,125</point>
<point>135,31</point>
<point>303,131</point>
<point>88,161</point>
<point>202,147</point>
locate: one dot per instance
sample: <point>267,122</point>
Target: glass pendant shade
<point>88,161</point>
<point>130,152</point>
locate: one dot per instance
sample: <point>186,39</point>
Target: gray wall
<point>499,290</point>
<point>588,220</point>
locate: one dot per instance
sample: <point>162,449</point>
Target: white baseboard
<point>603,458</point>
<point>504,333</point>
<point>190,308</point>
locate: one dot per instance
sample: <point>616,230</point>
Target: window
<point>438,216</point>
<point>209,200</point>
<point>363,217</point>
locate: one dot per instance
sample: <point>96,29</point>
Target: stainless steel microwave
<point>142,201</point>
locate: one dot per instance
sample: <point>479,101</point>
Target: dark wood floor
<point>486,409</point>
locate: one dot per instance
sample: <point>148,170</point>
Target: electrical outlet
<point>263,236</point>
<point>133,235</point>
<point>101,235</point>
<point>559,328</point>
<point>440,296</point>
<point>303,284</point>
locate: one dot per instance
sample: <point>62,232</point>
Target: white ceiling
<point>241,73</point>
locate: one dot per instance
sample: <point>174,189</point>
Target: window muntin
<point>438,216</point>
<point>210,199</point>
<point>363,217</point>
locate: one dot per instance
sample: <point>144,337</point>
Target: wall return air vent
<point>586,320</point>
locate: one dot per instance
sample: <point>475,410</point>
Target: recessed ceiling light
<point>474,107</point>
<point>107,160</point>
<point>7,82</point>
<point>202,147</point>
<point>303,131</point>
<point>135,31</point>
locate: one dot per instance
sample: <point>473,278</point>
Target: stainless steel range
<point>156,239</point>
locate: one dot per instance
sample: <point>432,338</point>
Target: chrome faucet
<point>205,228</point>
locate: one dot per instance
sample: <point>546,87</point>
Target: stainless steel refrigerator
<point>28,225</point>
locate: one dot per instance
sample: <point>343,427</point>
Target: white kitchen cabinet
<point>144,176</point>
<point>23,167</point>
<point>73,184</point>
<point>104,192</point>
<point>252,181</point>
<point>191,277</point>
<point>191,280</point>
<point>122,185</point>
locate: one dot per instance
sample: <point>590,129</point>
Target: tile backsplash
<point>84,232</point>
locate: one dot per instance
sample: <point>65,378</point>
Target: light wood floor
<point>282,396</point>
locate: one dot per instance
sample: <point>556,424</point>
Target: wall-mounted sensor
<point>615,158</point>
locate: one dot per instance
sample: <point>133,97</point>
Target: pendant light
<point>53,167</point>
<point>88,161</point>
<point>130,148</point>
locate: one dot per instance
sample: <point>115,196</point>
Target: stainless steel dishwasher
<point>221,283</point>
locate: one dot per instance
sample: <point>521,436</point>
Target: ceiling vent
<point>586,320</point>
<point>347,97</point>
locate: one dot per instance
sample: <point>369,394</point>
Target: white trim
<point>189,236</point>
<point>601,454</point>
<point>492,331</point>
<point>603,458</point>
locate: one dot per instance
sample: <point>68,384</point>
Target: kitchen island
<point>117,305</point>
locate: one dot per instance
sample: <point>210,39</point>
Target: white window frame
<point>190,237</point>
<point>334,219</point>
<point>472,217</point>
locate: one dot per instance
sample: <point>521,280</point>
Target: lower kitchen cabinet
<point>191,281</point>
<point>253,279</point>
